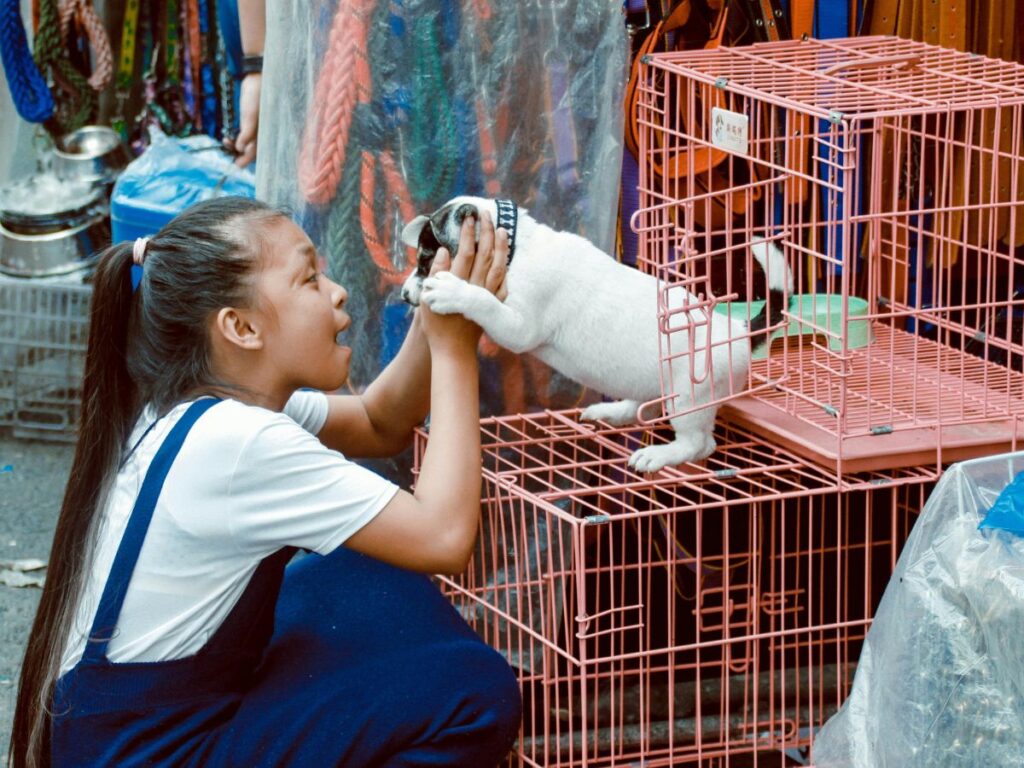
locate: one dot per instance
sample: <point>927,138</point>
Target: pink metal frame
<point>887,171</point>
<point>711,613</point>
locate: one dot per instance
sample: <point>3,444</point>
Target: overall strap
<point>114,592</point>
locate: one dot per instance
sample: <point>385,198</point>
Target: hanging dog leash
<point>125,67</point>
<point>32,98</point>
<point>83,16</point>
<point>73,97</point>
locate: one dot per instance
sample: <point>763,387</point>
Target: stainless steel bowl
<point>94,154</point>
<point>56,253</point>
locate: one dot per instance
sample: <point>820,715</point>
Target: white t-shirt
<point>247,482</point>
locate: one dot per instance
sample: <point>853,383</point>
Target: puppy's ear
<point>411,231</point>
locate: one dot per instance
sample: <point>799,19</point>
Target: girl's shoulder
<point>231,426</point>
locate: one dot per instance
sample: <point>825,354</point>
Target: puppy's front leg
<point>447,294</point>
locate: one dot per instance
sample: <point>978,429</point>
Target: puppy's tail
<point>780,284</point>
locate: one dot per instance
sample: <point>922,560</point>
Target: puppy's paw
<point>618,414</point>
<point>655,457</point>
<point>445,294</point>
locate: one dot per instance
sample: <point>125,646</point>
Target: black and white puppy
<point>596,321</point>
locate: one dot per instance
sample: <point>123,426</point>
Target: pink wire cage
<point>708,615</point>
<point>891,175</point>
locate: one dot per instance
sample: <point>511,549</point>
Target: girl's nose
<point>338,294</point>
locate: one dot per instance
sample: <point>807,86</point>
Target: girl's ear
<point>237,327</point>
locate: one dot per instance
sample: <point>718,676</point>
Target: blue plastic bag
<point>167,178</point>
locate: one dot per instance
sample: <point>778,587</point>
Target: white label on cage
<point>729,130</point>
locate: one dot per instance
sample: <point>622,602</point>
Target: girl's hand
<point>481,264</point>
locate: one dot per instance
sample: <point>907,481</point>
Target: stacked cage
<point>714,612</point>
<point>708,615</point>
<point>891,175</point>
<point>44,327</point>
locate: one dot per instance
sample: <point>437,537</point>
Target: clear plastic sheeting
<point>940,680</point>
<point>376,110</point>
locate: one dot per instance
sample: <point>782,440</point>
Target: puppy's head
<point>442,229</point>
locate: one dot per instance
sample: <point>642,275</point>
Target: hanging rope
<point>344,81</point>
<point>77,102</point>
<point>32,98</point>
<point>379,243</point>
<point>85,17</point>
<point>435,151</point>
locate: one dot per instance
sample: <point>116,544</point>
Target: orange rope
<point>344,81</point>
<point>488,152</point>
<point>376,243</point>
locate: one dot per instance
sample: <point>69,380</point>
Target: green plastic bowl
<point>824,310</point>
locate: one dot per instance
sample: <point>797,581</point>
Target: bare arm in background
<point>252,21</point>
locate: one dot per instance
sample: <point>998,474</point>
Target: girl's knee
<point>493,686</point>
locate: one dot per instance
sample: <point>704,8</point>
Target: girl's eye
<point>313,278</point>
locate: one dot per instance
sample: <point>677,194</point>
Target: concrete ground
<point>30,494</point>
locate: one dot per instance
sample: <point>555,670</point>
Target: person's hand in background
<point>244,144</point>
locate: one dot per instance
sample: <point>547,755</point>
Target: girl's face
<point>302,312</point>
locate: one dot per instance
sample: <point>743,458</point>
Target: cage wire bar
<point>891,175</point>
<point>711,612</point>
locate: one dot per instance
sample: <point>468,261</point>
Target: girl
<point>197,476</point>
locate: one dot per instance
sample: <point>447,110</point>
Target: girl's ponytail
<point>109,409</point>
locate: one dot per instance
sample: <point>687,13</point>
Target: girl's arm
<point>380,422</point>
<point>252,22</point>
<point>434,529</point>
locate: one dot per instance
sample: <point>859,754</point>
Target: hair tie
<point>138,257</point>
<point>139,250</point>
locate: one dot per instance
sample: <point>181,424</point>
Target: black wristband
<point>251,65</point>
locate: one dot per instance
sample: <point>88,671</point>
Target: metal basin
<point>55,253</point>
<point>94,154</point>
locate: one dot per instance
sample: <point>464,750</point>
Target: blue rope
<point>32,97</point>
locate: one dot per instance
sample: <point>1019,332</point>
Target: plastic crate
<point>712,612</point>
<point>44,328</point>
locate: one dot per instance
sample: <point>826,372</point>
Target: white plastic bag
<point>940,681</point>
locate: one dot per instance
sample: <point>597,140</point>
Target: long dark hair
<point>147,346</point>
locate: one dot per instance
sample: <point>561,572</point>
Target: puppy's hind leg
<point>694,440</point>
<point>618,414</point>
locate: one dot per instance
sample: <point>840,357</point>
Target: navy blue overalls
<point>337,660</point>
